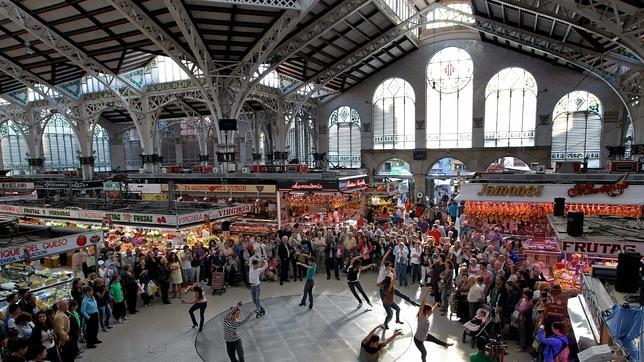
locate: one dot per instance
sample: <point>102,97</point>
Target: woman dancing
<point>353,273</point>
<point>389,287</point>
<point>199,302</point>
<point>422,331</point>
<point>231,335</point>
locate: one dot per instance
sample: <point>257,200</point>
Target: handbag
<point>514,319</point>
<point>140,288</point>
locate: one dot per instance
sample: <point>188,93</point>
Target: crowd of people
<point>461,262</point>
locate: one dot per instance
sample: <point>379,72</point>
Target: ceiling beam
<point>275,4</point>
<point>297,42</point>
<point>53,39</point>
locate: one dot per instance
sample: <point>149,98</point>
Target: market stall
<point>35,257</point>
<point>312,201</point>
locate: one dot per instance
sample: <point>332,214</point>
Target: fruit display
<point>566,277</point>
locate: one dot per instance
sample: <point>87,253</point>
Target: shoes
<point>99,342</point>
<point>91,346</point>
<point>371,305</point>
<point>337,278</point>
<point>126,318</point>
<point>194,325</point>
<point>327,278</point>
<point>359,305</point>
<point>399,322</point>
<point>287,281</point>
<point>104,330</point>
<point>109,327</point>
<point>386,326</point>
<point>301,304</point>
<point>310,307</point>
<point>200,329</point>
<point>169,302</point>
<point>213,293</point>
<point>449,345</point>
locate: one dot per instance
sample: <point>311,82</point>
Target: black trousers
<point>356,285</point>
<point>165,288</point>
<point>283,270</point>
<point>421,347</point>
<point>235,351</point>
<point>202,309</point>
<point>91,331</point>
<point>130,298</point>
<point>118,311</point>
<point>308,290</point>
<point>330,263</point>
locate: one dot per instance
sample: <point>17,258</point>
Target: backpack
<point>564,353</point>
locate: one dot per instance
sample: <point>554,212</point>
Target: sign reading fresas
<point>126,217</point>
<point>44,248</point>
<point>224,188</point>
<point>597,248</point>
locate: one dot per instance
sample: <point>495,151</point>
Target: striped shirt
<point>231,326</point>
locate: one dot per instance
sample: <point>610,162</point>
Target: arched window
<point>299,141</point>
<point>577,128</point>
<point>510,109</point>
<point>394,115</point>
<point>14,149</point>
<point>344,138</point>
<point>435,16</point>
<point>101,148</point>
<point>394,167</point>
<point>60,145</point>
<point>449,99</point>
<point>628,142</point>
<point>132,152</point>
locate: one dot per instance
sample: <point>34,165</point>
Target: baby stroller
<point>477,326</point>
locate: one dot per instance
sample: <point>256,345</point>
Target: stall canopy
<point>626,325</point>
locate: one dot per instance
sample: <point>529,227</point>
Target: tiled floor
<point>163,332</point>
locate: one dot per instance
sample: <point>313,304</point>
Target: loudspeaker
<point>575,225</point>
<point>560,206</point>
<point>628,272</point>
<point>225,226</point>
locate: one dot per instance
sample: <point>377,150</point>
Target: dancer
<point>371,345</point>
<point>199,302</point>
<point>422,331</point>
<point>231,334</point>
<point>310,267</point>
<point>254,273</point>
<point>386,270</point>
<point>353,273</point>
<point>389,285</point>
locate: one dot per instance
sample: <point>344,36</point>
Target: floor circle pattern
<point>330,332</point>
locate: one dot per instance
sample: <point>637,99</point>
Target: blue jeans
<point>104,315</point>
<point>401,271</point>
<point>254,293</point>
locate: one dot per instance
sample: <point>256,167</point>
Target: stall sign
<point>557,304</point>
<point>511,190</point>
<point>18,198</point>
<point>154,197</point>
<point>223,188</point>
<point>45,248</point>
<point>228,211</point>
<point>66,185</point>
<point>612,190</point>
<point>352,184</point>
<point>10,209</point>
<point>133,187</point>
<point>17,186</point>
<point>631,195</point>
<point>599,248</point>
<point>311,185</point>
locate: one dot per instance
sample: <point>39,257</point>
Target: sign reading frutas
<point>612,190</point>
<point>511,190</point>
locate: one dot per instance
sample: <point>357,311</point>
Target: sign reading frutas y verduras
<point>49,247</point>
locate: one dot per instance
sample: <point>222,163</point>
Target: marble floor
<point>330,332</point>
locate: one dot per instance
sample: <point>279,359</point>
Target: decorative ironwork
<point>87,160</point>
<point>36,162</point>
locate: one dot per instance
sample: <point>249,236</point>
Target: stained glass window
<point>510,109</point>
<point>60,145</point>
<point>449,99</point>
<point>394,115</point>
<point>14,149</point>
<point>344,138</point>
<point>445,13</point>
<point>577,128</point>
<point>101,148</point>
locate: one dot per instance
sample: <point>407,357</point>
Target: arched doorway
<point>443,179</point>
<point>398,171</point>
<point>508,165</point>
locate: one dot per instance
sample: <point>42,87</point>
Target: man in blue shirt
<point>89,311</point>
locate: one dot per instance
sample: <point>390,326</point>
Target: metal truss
<point>310,33</point>
<point>49,37</point>
<point>146,25</point>
<point>281,4</point>
<point>625,21</point>
<point>567,12</point>
<point>242,75</point>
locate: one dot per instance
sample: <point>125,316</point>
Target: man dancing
<point>254,274</point>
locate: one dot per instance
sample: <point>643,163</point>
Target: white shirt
<point>476,293</point>
<point>382,274</point>
<point>415,255</point>
<point>254,273</point>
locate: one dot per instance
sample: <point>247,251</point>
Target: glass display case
<point>48,287</point>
